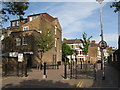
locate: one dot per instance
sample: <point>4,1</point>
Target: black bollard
<point>26,70</point>
<point>22,70</point>
<point>18,69</point>
<point>65,73</point>
<point>81,64</point>
<point>57,65</point>
<point>44,76</point>
<point>71,71</point>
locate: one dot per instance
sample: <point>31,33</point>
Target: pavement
<point>55,80</point>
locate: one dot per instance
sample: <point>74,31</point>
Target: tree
<point>45,42</point>
<point>13,8</point>
<point>66,50</point>
<point>85,44</point>
<point>116,5</point>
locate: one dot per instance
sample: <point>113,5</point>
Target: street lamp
<point>101,26</point>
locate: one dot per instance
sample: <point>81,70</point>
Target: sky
<point>78,17</point>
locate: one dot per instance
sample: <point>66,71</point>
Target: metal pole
<point>18,69</point>
<point>102,53</point>
<point>26,70</point>
<point>65,72</point>
<point>44,76</point>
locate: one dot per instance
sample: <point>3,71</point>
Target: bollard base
<point>44,76</point>
<point>103,77</point>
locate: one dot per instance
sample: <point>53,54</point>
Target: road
<point>55,80</point>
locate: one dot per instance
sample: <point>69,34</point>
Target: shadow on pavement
<point>39,84</point>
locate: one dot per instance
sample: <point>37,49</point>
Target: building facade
<point>21,39</point>
<point>94,53</point>
<point>75,45</point>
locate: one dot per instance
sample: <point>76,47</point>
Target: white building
<point>75,44</point>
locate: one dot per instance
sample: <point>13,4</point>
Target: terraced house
<point>22,39</point>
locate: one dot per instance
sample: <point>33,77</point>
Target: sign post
<point>102,44</point>
<point>20,60</point>
<point>20,57</point>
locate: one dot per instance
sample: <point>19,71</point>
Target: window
<point>33,17</point>
<point>55,42</point>
<point>48,33</point>
<point>72,46</point>
<point>25,28</point>
<point>55,29</point>
<point>80,52</point>
<point>24,40</point>
<point>17,23</point>
<point>13,24</point>
<point>18,41</point>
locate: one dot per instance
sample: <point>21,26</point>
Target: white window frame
<point>25,28</point>
<point>55,30</point>
<point>18,41</point>
<point>33,17</point>
<point>55,42</point>
<point>13,24</point>
<point>17,23</point>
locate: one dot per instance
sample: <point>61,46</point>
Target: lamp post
<point>101,26</point>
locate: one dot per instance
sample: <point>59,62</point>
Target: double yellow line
<point>4,78</point>
<point>79,85</point>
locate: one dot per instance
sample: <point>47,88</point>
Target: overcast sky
<point>79,17</point>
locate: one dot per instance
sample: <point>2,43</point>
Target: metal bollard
<point>26,71</point>
<point>44,75</point>
<point>65,72</point>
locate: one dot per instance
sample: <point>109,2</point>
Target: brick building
<point>21,39</point>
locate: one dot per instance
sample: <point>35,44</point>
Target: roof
<point>72,41</point>
<point>36,14</point>
<point>94,45</point>
<point>18,19</point>
<point>46,15</point>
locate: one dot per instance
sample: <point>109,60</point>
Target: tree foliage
<point>85,43</point>
<point>13,8</point>
<point>44,41</point>
<point>116,5</point>
<point>66,50</point>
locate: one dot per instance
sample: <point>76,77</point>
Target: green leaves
<point>116,5</point>
<point>45,40</point>
<point>14,8</point>
<point>85,43</point>
<point>66,50</point>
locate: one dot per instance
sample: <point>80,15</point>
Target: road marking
<point>79,85</point>
<point>4,78</point>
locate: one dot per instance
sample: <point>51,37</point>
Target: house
<point>94,53</point>
<point>22,39</point>
<point>75,44</point>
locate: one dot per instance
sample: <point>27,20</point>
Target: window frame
<point>18,41</point>
<point>25,28</point>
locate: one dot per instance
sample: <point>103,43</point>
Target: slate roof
<point>72,41</point>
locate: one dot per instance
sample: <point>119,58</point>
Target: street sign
<point>20,57</point>
<point>102,44</point>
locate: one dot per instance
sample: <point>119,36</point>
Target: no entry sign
<point>102,44</point>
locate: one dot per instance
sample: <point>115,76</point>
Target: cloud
<point>72,15</point>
